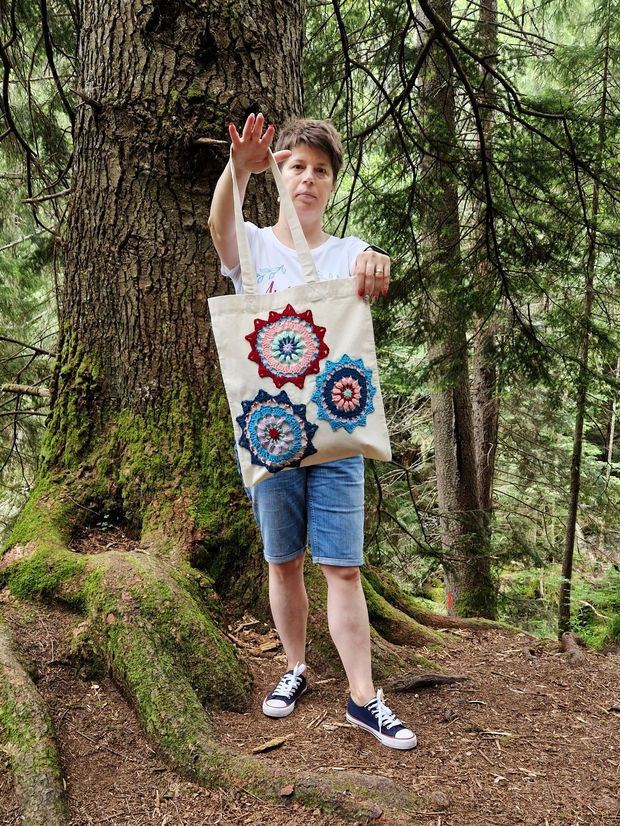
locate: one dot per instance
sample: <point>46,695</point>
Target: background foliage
<point>555,142</point>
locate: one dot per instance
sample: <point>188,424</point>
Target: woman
<point>324,501</point>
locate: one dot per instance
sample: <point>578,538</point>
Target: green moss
<point>178,461</point>
<point>612,631</point>
<point>26,739</point>
<point>45,518</point>
<point>168,707</point>
<point>476,601</point>
<point>16,729</point>
<point>183,622</point>
<point>394,624</point>
<point>221,507</point>
<point>219,479</point>
<point>75,415</point>
<point>193,92</point>
<point>29,754</point>
<point>434,593</point>
<point>171,105</point>
<point>394,613</point>
<point>91,591</point>
<point>44,572</point>
<point>169,471</point>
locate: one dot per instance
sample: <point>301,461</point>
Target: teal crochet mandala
<point>344,393</point>
<point>275,431</point>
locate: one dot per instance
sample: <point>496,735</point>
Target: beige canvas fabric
<point>299,366</point>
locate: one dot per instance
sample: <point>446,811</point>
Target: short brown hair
<point>319,134</point>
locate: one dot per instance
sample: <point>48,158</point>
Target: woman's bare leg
<point>347,616</point>
<point>289,607</point>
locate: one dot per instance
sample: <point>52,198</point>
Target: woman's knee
<point>342,574</point>
<point>286,571</point>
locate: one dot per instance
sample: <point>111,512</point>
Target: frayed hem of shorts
<point>280,559</point>
<point>342,563</point>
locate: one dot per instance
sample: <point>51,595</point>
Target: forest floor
<point>527,739</point>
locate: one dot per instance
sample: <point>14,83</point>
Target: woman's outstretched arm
<point>251,155</point>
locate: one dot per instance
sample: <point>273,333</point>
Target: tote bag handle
<point>248,270</point>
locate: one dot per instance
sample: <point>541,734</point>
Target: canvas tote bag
<point>299,365</point>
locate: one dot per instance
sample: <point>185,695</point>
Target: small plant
<point>106,522</point>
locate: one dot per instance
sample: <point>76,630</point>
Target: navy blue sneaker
<point>281,701</point>
<point>376,718</point>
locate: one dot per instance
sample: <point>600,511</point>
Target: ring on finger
<point>378,269</point>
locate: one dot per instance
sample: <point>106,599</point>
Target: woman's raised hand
<point>250,148</point>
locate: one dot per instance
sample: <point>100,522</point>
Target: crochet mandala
<point>275,431</point>
<point>287,346</point>
<point>344,393</point>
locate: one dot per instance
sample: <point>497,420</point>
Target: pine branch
<point>49,51</point>
<point>21,240</point>
<point>38,350</point>
<point>24,412</point>
<point>40,198</point>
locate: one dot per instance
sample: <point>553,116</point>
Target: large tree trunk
<point>583,377</point>
<point>469,584</point>
<point>484,371</point>
<point>139,432</point>
<point>137,392</point>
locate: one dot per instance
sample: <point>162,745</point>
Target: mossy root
<point>387,587</point>
<point>153,627</point>
<point>26,737</point>
<point>394,624</point>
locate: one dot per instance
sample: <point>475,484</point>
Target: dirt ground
<point>527,739</point>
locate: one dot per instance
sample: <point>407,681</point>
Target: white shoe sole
<point>385,739</point>
<point>270,711</point>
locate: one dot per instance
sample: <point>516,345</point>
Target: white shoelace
<point>384,715</point>
<point>290,682</point>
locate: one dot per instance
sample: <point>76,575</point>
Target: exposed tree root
<point>26,737</point>
<point>394,624</point>
<point>155,625</point>
<point>385,585</point>
<point>152,626</point>
<point>570,645</point>
<point>424,681</point>
<point>145,620</point>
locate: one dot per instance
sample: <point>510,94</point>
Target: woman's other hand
<point>372,270</point>
<point>251,147</point>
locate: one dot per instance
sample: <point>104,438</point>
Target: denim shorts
<point>324,503</point>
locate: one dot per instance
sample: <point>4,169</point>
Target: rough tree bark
<point>485,400</point>
<point>469,584</point>
<point>139,432</point>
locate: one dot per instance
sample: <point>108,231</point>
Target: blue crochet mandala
<point>275,431</point>
<point>344,393</point>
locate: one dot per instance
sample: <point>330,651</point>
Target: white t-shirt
<point>277,266</point>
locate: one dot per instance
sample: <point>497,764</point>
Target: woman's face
<point>309,178</point>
